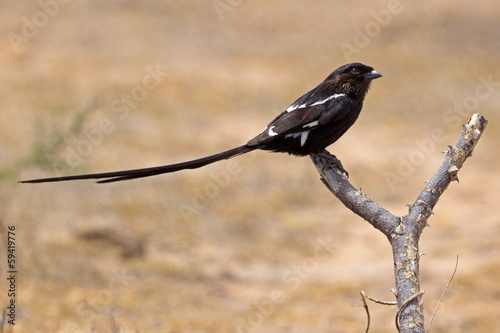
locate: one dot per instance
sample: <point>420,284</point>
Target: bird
<point>309,125</point>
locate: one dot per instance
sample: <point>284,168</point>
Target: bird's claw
<point>333,161</point>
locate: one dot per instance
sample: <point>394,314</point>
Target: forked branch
<point>404,232</point>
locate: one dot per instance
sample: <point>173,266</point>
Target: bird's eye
<point>354,71</point>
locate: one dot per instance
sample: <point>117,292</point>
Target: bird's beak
<point>372,75</point>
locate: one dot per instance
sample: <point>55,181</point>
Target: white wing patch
<point>271,132</point>
<point>305,134</point>
<point>327,99</point>
<point>311,124</point>
<point>294,107</point>
<point>303,138</point>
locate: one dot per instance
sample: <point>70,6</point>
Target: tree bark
<point>404,232</point>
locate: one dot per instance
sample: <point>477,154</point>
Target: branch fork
<point>404,232</point>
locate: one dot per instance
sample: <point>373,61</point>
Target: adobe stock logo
<point>98,303</point>
<point>293,278</point>
<point>372,29</point>
<point>203,195</point>
<point>223,6</point>
<point>121,108</point>
<point>453,117</point>
<point>31,26</point>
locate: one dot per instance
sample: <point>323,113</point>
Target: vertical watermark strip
<point>11,274</point>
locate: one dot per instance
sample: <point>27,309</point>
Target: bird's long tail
<point>109,177</point>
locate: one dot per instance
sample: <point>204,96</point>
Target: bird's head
<point>353,79</point>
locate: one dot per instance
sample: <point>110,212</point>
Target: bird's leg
<point>333,161</point>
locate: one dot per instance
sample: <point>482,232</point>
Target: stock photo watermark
<point>11,274</point>
<point>202,196</point>
<point>292,279</point>
<point>364,35</point>
<point>121,107</point>
<point>453,117</point>
<point>99,302</point>
<point>222,7</point>
<point>32,24</point>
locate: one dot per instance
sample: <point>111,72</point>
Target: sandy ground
<point>233,247</point>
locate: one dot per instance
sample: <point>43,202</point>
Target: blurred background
<point>255,244</point>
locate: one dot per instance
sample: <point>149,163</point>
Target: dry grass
<point>224,266</point>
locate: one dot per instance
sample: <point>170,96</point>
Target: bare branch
<point>442,296</point>
<point>365,305</point>
<point>402,307</point>
<point>447,172</point>
<point>404,232</point>
<point>352,198</point>
<point>374,300</point>
<point>364,297</point>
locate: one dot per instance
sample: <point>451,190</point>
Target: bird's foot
<point>332,161</point>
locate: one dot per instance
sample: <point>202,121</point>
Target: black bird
<point>308,126</point>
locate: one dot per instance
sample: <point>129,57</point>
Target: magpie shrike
<point>308,126</point>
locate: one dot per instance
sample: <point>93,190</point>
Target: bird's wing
<point>305,117</point>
